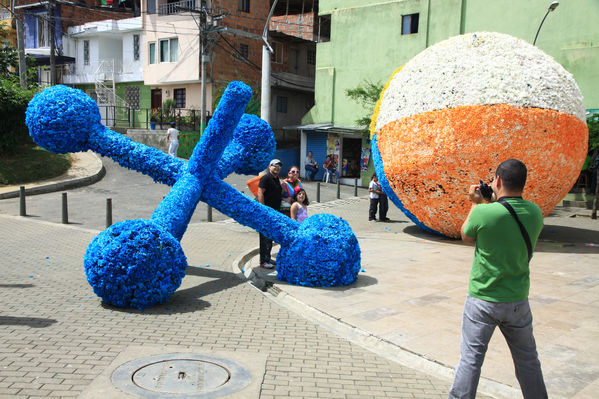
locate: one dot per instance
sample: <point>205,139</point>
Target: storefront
<point>346,145</point>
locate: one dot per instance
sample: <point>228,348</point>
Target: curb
<point>360,337</point>
<point>62,185</point>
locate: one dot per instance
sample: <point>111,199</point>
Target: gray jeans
<point>514,320</point>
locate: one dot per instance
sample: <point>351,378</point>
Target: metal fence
<point>157,118</point>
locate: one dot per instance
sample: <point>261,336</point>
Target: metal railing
<point>157,118</point>
<point>176,8</point>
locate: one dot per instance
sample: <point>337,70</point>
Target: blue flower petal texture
<point>134,264</point>
<point>324,253</point>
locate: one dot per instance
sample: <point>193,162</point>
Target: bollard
<point>355,187</point>
<point>317,191</point>
<point>209,213</point>
<point>108,212</point>
<point>65,209</point>
<point>22,207</point>
<point>338,189</point>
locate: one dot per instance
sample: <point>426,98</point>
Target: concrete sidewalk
<point>409,296</point>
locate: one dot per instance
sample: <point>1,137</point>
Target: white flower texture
<point>482,68</point>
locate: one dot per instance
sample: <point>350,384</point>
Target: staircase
<point>112,107</point>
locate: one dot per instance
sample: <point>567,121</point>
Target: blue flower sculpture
<point>139,263</point>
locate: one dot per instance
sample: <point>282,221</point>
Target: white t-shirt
<point>173,134</point>
<point>374,186</point>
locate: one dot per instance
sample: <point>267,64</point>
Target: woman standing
<point>291,186</point>
<point>299,209</point>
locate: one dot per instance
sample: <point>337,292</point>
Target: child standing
<point>299,209</point>
<point>375,190</point>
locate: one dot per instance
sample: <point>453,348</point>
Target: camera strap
<point>522,229</point>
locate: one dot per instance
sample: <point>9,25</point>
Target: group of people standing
<point>288,197</point>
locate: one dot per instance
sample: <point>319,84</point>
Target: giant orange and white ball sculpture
<point>449,116</point>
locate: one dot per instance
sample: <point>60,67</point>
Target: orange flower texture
<point>430,159</point>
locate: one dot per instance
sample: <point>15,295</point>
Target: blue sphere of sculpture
<point>134,264</point>
<point>324,253</point>
<point>61,119</point>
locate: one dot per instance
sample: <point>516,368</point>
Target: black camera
<point>485,190</point>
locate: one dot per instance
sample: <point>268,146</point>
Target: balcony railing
<point>158,118</point>
<point>176,7</point>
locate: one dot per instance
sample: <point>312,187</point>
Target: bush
<point>13,104</point>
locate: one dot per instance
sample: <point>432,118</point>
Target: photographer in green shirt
<point>499,280</point>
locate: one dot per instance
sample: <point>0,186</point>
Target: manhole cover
<point>178,375</point>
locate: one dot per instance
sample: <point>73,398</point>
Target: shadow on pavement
<point>553,239</point>
<point>362,281</point>
<point>34,322</point>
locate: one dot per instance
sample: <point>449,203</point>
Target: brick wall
<point>298,25</point>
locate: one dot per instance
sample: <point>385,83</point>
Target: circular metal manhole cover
<point>177,375</point>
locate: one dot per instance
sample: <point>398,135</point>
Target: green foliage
<point>593,124</point>
<point>187,142</point>
<point>13,104</point>
<point>366,94</point>
<point>168,110</point>
<point>253,107</point>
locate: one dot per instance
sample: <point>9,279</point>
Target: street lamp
<point>552,7</point>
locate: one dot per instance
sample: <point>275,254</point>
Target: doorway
<point>352,152</point>
<point>156,98</point>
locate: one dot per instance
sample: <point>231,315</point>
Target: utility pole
<point>51,38</point>
<point>208,25</point>
<point>266,52</point>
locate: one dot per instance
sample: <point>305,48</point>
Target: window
<point>282,104</point>
<point>244,51</point>
<point>179,95</point>
<point>86,52</point>
<point>132,97</point>
<point>136,47</point>
<point>277,57</point>
<point>43,30</point>
<point>311,57</point>
<point>409,24</point>
<point>168,50</point>
<point>324,28</point>
<point>152,53</point>
<point>244,5</point>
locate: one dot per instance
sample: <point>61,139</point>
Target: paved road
<point>133,196</point>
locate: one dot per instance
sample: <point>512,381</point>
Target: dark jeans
<point>383,206</point>
<point>312,171</point>
<point>265,248</point>
<point>374,203</point>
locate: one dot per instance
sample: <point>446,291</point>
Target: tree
<point>253,107</point>
<point>366,94</point>
<point>593,125</point>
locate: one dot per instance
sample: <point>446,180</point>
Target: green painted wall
<point>139,117</point>
<point>366,42</point>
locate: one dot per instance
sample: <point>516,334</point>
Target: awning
<point>329,128</point>
<point>43,60</point>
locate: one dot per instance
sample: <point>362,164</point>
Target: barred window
<point>179,95</point>
<point>136,47</point>
<point>244,50</point>
<point>244,5</point>
<point>311,57</point>
<point>86,52</point>
<point>132,97</point>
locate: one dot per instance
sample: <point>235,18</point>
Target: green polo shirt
<point>500,270</point>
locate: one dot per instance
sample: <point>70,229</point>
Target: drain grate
<point>178,375</point>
